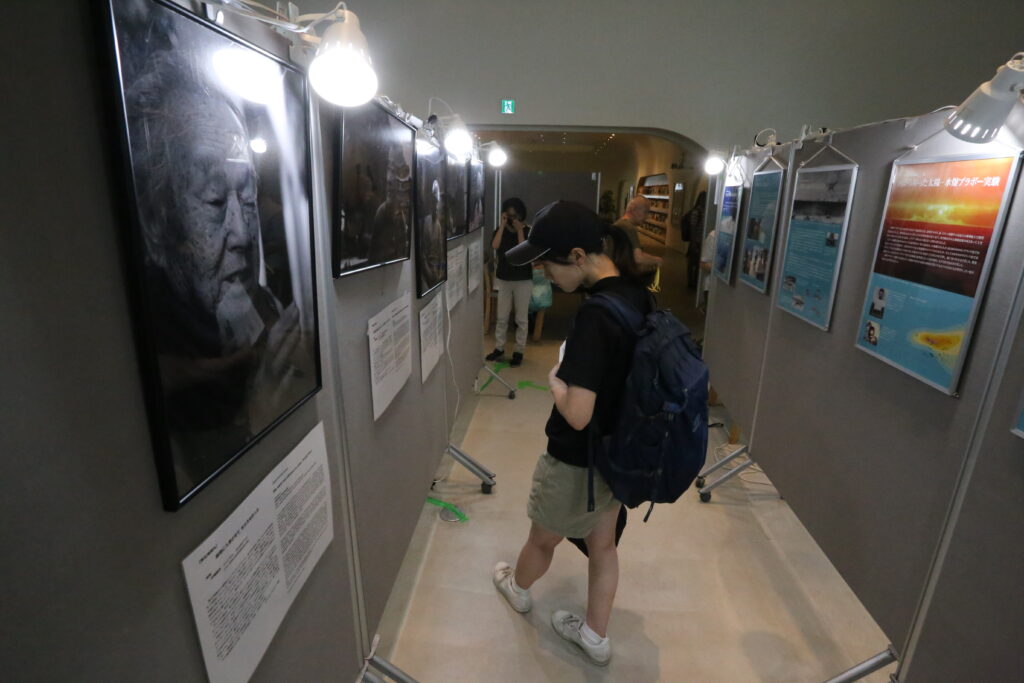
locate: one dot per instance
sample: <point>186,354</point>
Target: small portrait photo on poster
<point>877,309</point>
<point>223,237</point>
<point>872,331</point>
<point>374,184</point>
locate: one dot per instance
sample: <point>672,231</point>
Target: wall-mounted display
<point>725,233</point>
<point>814,246</point>
<point>476,195</point>
<point>221,243</point>
<point>939,231</point>
<point>758,236</point>
<point>432,218</point>
<point>456,187</point>
<point>373,211</point>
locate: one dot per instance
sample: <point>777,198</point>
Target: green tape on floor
<point>526,384</point>
<point>449,507</point>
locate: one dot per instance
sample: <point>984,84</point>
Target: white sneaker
<point>568,625</point>
<point>503,575</point>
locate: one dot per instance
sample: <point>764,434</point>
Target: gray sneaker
<point>568,625</point>
<point>503,574</point>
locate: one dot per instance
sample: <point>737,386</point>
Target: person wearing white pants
<point>514,283</point>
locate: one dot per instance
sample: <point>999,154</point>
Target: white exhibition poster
<point>476,265</point>
<point>431,336</point>
<point>455,287</point>
<point>390,333</point>
<point>243,578</point>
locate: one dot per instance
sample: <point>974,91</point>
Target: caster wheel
<point>511,395</point>
<point>486,488</point>
<point>705,496</point>
<point>700,482</point>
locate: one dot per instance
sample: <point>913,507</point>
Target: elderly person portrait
<point>231,356</point>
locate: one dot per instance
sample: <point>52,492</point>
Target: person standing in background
<point>635,215</point>
<point>514,283</point>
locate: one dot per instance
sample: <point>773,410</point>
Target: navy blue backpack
<point>660,437</point>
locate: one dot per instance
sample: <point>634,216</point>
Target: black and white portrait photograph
<point>432,216</point>
<point>217,140</point>
<point>456,186</point>
<point>476,195</point>
<point>374,186</point>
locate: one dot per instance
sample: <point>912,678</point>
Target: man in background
<point>635,216</point>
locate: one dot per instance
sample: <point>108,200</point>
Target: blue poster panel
<point>758,238</point>
<point>814,247</point>
<point>725,235</point>
<point>938,236</point>
<point>1018,428</point>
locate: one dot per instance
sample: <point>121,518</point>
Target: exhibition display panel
<point>940,230</point>
<point>476,195</point>
<point>374,210</point>
<point>217,149</point>
<point>432,217</point>
<point>757,245</point>
<point>725,235</point>
<point>818,224</point>
<point>456,189</point>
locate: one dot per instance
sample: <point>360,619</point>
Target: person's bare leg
<point>603,571</point>
<point>535,557</point>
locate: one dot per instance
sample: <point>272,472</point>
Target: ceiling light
<point>714,164</point>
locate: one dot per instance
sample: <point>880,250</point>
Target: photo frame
<point>941,225</point>
<point>433,218</point>
<point>725,235</point>
<point>215,135</point>
<point>456,191</point>
<point>373,210</point>
<point>760,225</point>
<point>475,207</point>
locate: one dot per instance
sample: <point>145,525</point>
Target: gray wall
<point>94,588</point>
<point>717,72</point>
<point>867,456</point>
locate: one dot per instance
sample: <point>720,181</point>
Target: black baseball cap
<point>557,229</point>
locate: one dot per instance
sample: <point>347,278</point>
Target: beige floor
<point>731,591</point>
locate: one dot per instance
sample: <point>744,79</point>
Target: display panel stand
<point>388,669</point>
<point>705,489</point>
<point>485,475</point>
<point>868,666</point>
<point>511,389</point>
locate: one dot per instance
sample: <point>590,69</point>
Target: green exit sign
<point>508,106</point>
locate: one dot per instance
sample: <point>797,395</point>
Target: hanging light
<point>341,71</point>
<point>714,164</point>
<point>457,140</point>
<point>983,114</point>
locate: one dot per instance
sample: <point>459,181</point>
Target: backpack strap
<point>624,312</point>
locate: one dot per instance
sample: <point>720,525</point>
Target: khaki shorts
<point>558,499</point>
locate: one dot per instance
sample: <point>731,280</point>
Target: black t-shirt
<point>598,355</point>
<point>505,270</point>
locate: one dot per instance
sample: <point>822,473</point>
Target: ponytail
<point>619,249</point>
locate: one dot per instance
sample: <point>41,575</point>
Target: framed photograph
<point>822,199</point>
<point>940,229</point>
<point>757,243</point>
<point>476,195</point>
<point>433,217</point>
<point>725,235</point>
<point>457,187</point>
<point>221,242</point>
<point>373,208</point>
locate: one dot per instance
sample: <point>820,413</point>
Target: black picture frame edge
<point>152,385</point>
<point>338,154</point>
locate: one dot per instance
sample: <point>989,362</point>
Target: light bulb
<point>497,156</point>
<point>459,143</point>
<point>258,145</point>
<point>714,164</point>
<point>341,72</point>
